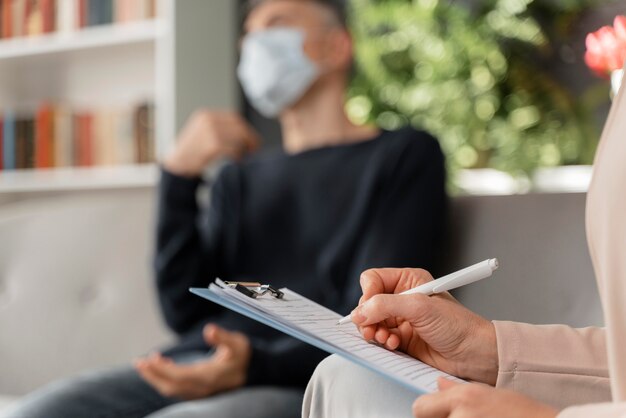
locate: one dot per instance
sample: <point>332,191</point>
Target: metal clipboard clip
<point>254,290</point>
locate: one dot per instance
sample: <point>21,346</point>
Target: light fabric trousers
<point>122,393</point>
<point>342,389</point>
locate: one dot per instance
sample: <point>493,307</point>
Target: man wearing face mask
<point>339,199</point>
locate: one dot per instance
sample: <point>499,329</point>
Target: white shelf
<point>88,38</point>
<point>573,179</point>
<point>566,179</point>
<point>76,179</point>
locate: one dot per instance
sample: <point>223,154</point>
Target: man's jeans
<point>122,393</point>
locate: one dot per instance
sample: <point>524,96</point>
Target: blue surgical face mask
<point>274,71</point>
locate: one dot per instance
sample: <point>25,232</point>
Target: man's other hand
<point>224,370</point>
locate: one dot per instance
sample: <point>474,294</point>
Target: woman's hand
<point>478,401</point>
<point>434,329</point>
<point>224,370</point>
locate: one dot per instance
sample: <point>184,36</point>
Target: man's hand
<point>478,401</point>
<point>207,137</point>
<point>224,370</point>
<point>434,329</point>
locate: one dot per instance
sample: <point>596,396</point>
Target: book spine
<point>150,135</point>
<point>8,138</point>
<point>93,12</point>
<point>85,140</point>
<point>48,15</point>
<point>34,17</point>
<point>125,139</point>
<point>29,143</point>
<point>20,144</point>
<point>152,9</point>
<point>83,18</point>
<point>1,142</point>
<point>7,18</point>
<point>141,9</point>
<point>106,12</point>
<point>119,14</point>
<point>19,18</point>
<point>111,151</point>
<point>64,16</point>
<point>141,139</point>
<point>43,137</point>
<point>63,134</point>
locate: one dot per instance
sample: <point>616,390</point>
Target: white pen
<point>460,278</point>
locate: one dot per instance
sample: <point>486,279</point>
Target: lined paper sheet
<point>304,319</point>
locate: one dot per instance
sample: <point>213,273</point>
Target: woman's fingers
<point>391,280</point>
<point>382,307</point>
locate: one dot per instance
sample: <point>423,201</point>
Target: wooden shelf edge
<point>78,179</point>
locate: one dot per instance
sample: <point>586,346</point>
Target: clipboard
<point>304,319</point>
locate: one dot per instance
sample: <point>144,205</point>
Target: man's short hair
<point>337,7</point>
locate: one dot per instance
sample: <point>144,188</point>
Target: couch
<point>76,292</point>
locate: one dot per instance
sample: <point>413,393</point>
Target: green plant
<point>470,77</point>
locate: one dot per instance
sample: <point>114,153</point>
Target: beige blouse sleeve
<point>604,410</point>
<point>555,364</point>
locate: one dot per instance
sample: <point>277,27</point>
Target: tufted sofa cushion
<point>545,273</point>
<point>76,289</point>
<point>75,285</point>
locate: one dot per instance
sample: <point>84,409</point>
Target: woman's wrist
<point>483,365</point>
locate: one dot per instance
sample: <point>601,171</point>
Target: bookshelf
<point>181,60</point>
<point>77,179</point>
<point>106,36</point>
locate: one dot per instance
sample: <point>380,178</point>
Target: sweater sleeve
<point>602,410</point>
<point>555,364</point>
<point>181,261</point>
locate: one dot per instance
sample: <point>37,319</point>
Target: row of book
<point>35,17</point>
<point>56,136</point>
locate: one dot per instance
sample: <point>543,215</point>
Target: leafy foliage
<point>471,76</point>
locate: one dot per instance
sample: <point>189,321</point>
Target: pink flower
<point>606,48</point>
<point>620,27</point>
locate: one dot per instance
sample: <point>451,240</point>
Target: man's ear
<point>338,51</point>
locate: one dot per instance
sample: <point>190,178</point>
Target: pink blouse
<point>563,366</point>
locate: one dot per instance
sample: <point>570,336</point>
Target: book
<point>24,143</point>
<point>56,136</point>
<point>302,318</point>
<point>7,18</point>
<point>123,11</point>
<point>63,137</point>
<point>34,17</point>
<point>18,10</point>
<point>83,14</point>
<point>1,141</point>
<point>124,134</point>
<point>66,15</point>
<point>84,141</point>
<point>8,140</point>
<point>144,135</point>
<point>48,15</point>
<point>99,12</point>
<point>44,137</point>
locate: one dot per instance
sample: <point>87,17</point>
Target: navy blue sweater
<point>312,222</point>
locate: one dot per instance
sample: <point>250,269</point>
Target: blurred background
<point>92,94</point>
<point>501,83</point>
